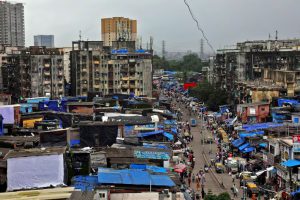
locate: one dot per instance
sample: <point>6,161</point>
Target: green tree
<point>222,196</point>
<point>211,96</point>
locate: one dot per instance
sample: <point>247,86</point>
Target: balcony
<point>132,85</point>
<point>46,65</point>
<point>124,85</point>
<point>46,82</point>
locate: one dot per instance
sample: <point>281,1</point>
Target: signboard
<point>151,155</point>
<point>252,111</point>
<point>296,143</point>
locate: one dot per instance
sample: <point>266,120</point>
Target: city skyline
<point>221,20</point>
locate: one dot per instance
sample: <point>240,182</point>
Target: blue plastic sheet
<point>287,101</point>
<point>169,136</point>
<point>145,134</point>
<point>260,126</point>
<point>248,149</point>
<point>244,146</point>
<point>132,177</point>
<point>238,142</point>
<point>291,163</point>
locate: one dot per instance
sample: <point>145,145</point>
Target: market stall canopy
<point>248,149</point>
<point>238,142</point>
<point>291,163</point>
<point>244,146</point>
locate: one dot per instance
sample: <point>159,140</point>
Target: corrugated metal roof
<point>132,177</point>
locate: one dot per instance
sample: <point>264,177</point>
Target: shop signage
<point>296,143</point>
<point>151,155</point>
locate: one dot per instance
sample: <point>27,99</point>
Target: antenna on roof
<point>80,35</point>
<point>276,36</point>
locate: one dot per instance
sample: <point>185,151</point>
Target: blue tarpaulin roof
<point>174,130</point>
<point>264,145</point>
<point>287,101</point>
<point>248,149</point>
<point>170,122</point>
<point>148,167</point>
<point>244,146</point>
<point>251,134</point>
<point>238,142</point>
<point>295,192</point>
<point>132,177</point>
<point>152,145</point>
<point>291,163</point>
<point>169,136</point>
<point>260,126</point>
<point>145,134</point>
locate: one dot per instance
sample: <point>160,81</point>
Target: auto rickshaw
<point>252,189</point>
<point>219,168</point>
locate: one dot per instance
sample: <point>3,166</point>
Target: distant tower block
<point>202,48</point>
<point>163,49</point>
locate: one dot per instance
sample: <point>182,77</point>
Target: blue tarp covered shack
<point>108,176</point>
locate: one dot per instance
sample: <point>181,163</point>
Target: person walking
<point>198,184</point>
<point>203,193</point>
<point>234,190</point>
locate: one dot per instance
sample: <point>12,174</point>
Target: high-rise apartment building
<point>44,40</point>
<point>33,72</point>
<point>118,29</point>
<point>12,24</point>
<point>116,69</point>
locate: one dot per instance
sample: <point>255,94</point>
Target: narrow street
<point>201,153</point>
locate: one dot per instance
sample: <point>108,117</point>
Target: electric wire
<point>198,26</point>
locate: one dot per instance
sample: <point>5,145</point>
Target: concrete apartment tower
<point>118,29</point>
<point>12,24</point>
<point>44,40</point>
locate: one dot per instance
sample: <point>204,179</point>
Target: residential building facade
<point>97,68</point>
<point>118,29</point>
<point>33,72</point>
<point>44,40</point>
<point>266,62</point>
<point>12,24</point>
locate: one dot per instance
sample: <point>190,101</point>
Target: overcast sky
<point>224,21</point>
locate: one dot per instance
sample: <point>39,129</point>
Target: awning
<point>145,134</point>
<point>244,146</point>
<point>263,145</point>
<point>238,142</point>
<point>169,136</point>
<point>291,163</point>
<point>248,149</point>
<point>295,192</point>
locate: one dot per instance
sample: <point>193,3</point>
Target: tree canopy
<point>211,96</point>
<point>222,196</point>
